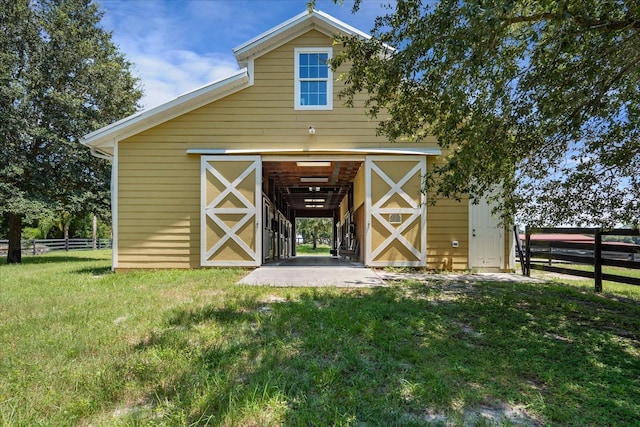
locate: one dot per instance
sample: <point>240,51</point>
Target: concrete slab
<point>456,277</point>
<point>313,271</point>
<point>331,271</point>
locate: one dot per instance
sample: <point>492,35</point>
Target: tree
<point>61,78</point>
<point>314,229</point>
<point>535,103</point>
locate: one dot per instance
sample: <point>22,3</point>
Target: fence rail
<point>543,246</point>
<point>43,246</point>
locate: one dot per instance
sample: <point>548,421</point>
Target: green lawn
<point>307,249</point>
<point>607,286</point>
<point>82,346</point>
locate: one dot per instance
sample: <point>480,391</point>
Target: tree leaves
<point>62,78</point>
<point>536,102</point>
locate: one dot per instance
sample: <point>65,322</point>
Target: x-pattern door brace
<point>415,209</point>
<point>214,212</point>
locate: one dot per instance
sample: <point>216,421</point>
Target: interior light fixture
<point>314,206</point>
<point>313,164</point>
<point>312,189</point>
<point>314,179</point>
<point>314,200</point>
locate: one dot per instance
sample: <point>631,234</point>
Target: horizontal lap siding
<point>447,221</point>
<point>159,184</point>
<point>159,205</point>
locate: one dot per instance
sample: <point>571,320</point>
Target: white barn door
<point>486,238</point>
<point>395,211</point>
<point>231,198</point>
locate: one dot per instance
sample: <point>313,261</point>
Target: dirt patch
<point>484,415</point>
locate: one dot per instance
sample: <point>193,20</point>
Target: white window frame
<point>328,79</point>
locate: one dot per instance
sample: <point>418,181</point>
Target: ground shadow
<point>50,259</point>
<point>414,356</point>
<point>94,271</point>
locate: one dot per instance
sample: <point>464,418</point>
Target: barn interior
<point>306,188</point>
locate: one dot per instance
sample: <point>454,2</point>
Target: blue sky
<point>179,45</point>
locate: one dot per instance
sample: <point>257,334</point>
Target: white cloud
<point>177,72</point>
<point>177,47</point>
<point>168,47</point>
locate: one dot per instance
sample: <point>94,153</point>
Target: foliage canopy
<point>535,103</point>
<point>314,229</point>
<point>61,77</point>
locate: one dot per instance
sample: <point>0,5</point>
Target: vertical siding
<point>344,207</point>
<point>509,248</point>
<point>358,219</point>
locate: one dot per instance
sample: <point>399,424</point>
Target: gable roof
<point>102,141</point>
<point>289,30</point>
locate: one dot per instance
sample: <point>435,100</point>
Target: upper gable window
<point>314,79</point>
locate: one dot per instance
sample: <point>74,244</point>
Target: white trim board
<point>183,104</point>
<point>291,29</point>
<point>114,208</point>
<point>391,151</point>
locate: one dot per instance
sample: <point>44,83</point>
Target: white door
<point>395,211</point>
<point>230,231</point>
<point>486,238</point>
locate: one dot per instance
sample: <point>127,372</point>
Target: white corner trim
<point>251,70</point>
<point>114,207</point>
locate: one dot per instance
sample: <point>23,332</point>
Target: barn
<point>217,177</point>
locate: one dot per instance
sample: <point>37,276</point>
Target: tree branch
<point>587,23</point>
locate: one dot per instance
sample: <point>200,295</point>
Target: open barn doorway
<point>304,200</point>
<point>314,236</point>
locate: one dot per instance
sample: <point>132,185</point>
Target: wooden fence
<point>544,247</point>
<point>43,246</point>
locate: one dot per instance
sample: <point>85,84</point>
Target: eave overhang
<point>289,30</point>
<point>103,140</point>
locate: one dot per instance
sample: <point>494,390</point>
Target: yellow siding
<point>159,184</point>
<point>358,218</point>
<point>343,207</point>
<point>358,188</point>
<point>447,221</point>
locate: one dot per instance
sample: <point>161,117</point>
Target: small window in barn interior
<point>313,79</point>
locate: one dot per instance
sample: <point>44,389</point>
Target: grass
<point>307,249</point>
<point>608,286</point>
<point>82,346</point>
